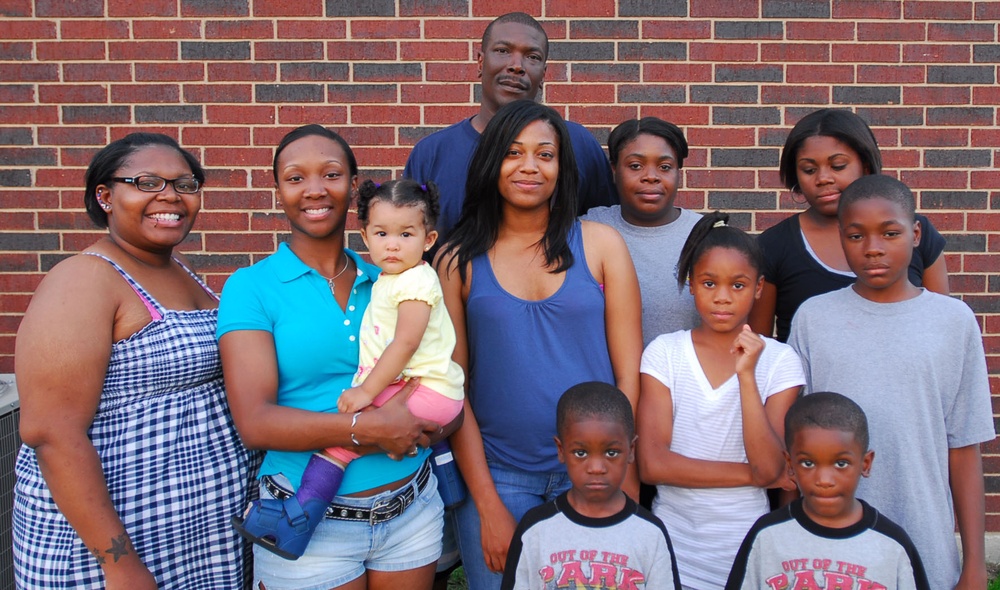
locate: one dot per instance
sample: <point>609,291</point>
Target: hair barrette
<point>378,185</point>
<point>719,223</point>
<point>423,187</point>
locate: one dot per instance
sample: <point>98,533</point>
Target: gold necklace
<point>329,281</point>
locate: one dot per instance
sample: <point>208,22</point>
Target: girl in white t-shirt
<point>712,407</point>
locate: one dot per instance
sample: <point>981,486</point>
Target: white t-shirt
<point>707,525</point>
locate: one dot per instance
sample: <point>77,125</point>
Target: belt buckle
<point>383,512</point>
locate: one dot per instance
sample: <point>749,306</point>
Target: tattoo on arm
<point>97,555</point>
<point>120,546</point>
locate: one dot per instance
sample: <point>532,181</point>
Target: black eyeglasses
<point>155,184</point>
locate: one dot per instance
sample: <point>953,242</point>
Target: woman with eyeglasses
<point>131,465</point>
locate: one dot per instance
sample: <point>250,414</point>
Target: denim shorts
<point>450,557</point>
<point>341,551</point>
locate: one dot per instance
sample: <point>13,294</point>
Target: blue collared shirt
<point>317,349</point>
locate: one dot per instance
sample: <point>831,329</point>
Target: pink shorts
<point>423,403</point>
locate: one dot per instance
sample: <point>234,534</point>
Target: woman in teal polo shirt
<point>288,335</point>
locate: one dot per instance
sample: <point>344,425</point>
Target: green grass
<point>457,581</point>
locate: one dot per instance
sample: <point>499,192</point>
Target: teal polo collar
<point>289,267</point>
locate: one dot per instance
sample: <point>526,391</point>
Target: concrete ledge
<point>992,547</point>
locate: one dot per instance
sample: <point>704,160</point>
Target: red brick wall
<point>229,77</point>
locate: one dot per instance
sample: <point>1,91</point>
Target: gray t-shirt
<point>655,251</point>
<point>918,370</point>
<point>555,547</point>
<point>786,549</point>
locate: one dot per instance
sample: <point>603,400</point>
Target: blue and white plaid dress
<point>175,466</point>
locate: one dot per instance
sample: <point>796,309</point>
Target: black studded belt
<point>384,510</point>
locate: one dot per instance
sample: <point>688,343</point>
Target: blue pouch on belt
<point>451,486</point>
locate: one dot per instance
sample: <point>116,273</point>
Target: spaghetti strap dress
<point>175,467</point>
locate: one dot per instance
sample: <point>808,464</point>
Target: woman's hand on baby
<point>747,348</point>
<point>397,431</point>
<point>353,400</point>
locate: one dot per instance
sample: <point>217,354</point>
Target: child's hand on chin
<point>785,482</point>
<point>353,400</point>
<point>747,347</point>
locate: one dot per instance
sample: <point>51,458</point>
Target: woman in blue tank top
<point>541,302</point>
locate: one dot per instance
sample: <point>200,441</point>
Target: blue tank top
<point>524,354</point>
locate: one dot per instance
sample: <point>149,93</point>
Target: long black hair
<point>478,226</point>
<point>713,231</point>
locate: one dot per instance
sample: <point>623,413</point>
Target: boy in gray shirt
<point>914,361</point>
<point>592,536</point>
<point>827,538</point>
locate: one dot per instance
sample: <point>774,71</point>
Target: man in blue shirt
<point>512,63</point>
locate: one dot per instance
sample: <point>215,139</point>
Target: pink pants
<point>423,403</point>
